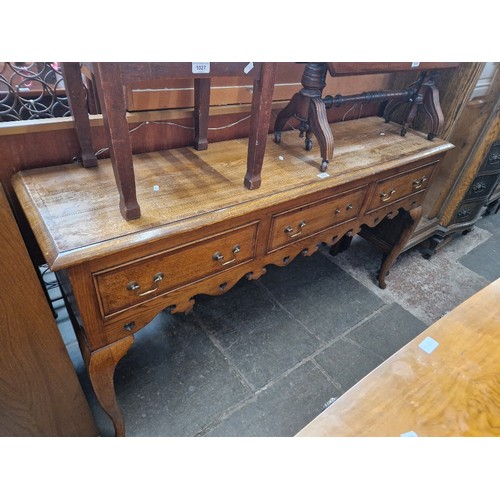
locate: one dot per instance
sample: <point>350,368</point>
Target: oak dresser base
<point>201,231</point>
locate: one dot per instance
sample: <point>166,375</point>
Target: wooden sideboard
<point>201,231</point>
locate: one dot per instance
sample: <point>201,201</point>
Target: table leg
<point>410,115</point>
<point>321,129</point>
<point>308,107</point>
<point>290,110</point>
<point>433,109</point>
<point>101,368</point>
<point>342,245</point>
<point>427,95</point>
<point>316,121</point>
<point>411,219</point>
<point>391,107</point>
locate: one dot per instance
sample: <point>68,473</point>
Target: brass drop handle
<point>387,196</point>
<point>417,183</point>
<point>133,286</point>
<point>348,207</point>
<point>289,229</point>
<point>219,257</point>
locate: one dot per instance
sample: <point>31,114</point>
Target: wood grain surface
<point>183,189</point>
<point>452,391</point>
<point>477,129</point>
<point>40,394</point>
<point>359,68</point>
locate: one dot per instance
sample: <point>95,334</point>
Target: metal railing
<point>32,90</point>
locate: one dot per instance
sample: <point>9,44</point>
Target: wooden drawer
<point>467,212</point>
<point>147,278</point>
<point>492,161</point>
<point>394,188</point>
<point>482,187</point>
<point>299,223</point>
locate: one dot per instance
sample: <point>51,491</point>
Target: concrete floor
<point>268,356</point>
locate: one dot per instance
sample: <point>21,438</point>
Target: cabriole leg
<point>412,218</point>
<point>101,368</point>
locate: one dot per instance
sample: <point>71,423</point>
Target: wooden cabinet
<point>39,392</point>
<point>477,198</point>
<point>493,201</point>
<point>475,163</point>
<point>470,99</point>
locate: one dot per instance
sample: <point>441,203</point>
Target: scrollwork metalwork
<point>464,213</point>
<point>494,158</point>
<point>478,186</point>
<point>32,90</point>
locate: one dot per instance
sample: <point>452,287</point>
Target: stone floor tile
<point>388,331</point>
<point>174,381</point>
<point>283,408</point>
<point>347,362</point>
<point>260,338</point>
<point>320,295</point>
<point>489,222</point>
<point>484,259</point>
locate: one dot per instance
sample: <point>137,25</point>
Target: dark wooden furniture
<point>475,164</point>
<point>309,107</point>
<point>110,79</point>
<point>204,231</point>
<point>479,196</point>
<point>453,390</point>
<point>40,394</point>
<point>493,201</point>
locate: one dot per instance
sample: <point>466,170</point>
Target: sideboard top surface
<point>74,211</point>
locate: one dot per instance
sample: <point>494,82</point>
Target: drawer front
<point>394,188</point>
<point>492,161</point>
<point>467,212</point>
<point>135,282</point>
<point>299,223</point>
<point>482,186</point>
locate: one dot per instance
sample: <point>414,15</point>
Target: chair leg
<point>112,99</point>
<point>259,124</point>
<point>201,112</point>
<point>75,92</point>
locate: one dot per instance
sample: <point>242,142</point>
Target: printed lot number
<point>198,67</point>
